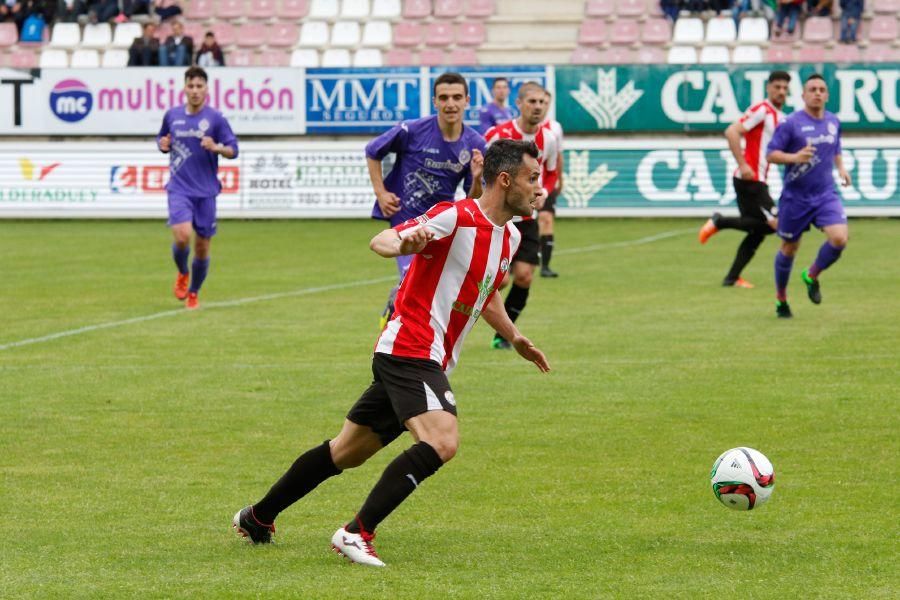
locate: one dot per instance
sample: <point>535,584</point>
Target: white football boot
<point>356,547</point>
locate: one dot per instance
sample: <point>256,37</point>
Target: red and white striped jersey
<point>543,138</point>
<point>759,123</point>
<point>449,283</point>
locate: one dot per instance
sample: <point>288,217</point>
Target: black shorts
<point>402,389</point>
<point>550,203</point>
<point>530,247</point>
<point>753,199</point>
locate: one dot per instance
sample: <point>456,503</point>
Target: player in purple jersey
<point>809,144</point>
<point>432,156</point>
<point>194,135</point>
<point>498,111</point>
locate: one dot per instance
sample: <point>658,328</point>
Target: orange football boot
<point>181,285</point>
<point>708,230</point>
<point>743,283</point>
<point>192,302</point>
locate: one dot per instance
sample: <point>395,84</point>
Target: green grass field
<point>125,450</point>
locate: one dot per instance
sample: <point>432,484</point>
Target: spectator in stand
<point>818,8</point>
<point>787,10</point>
<point>103,11</point>
<point>166,9</point>
<point>45,9</point>
<point>851,11</point>
<point>68,11</point>
<point>178,50</point>
<point>670,8</point>
<point>210,54</point>
<point>9,9</point>
<point>144,51</point>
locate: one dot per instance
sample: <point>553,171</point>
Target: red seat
<point>407,34</point>
<point>844,53</point>
<point>624,32</point>
<point>199,10</point>
<point>416,9</point>
<point>780,53</point>
<point>293,9</point>
<point>231,9</point>
<point>462,56</point>
<point>439,34</point>
<point>283,34</point>
<point>23,59</point>
<point>586,56</point>
<point>262,9</point>
<point>650,55</point>
<point>480,9</point>
<point>251,35</point>
<point>887,7</point>
<point>599,8</point>
<point>592,32</point>
<point>883,29</point>
<point>471,33</point>
<point>618,55</point>
<point>656,31</point>
<point>273,58</point>
<point>880,53</point>
<point>225,34</point>
<point>813,54</point>
<point>9,35</point>
<point>240,58</point>
<point>195,31</point>
<point>817,30</point>
<point>432,58</point>
<point>397,57</point>
<point>448,8</point>
<point>631,8</point>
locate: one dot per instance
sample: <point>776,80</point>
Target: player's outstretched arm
<point>495,315</point>
<point>390,244</point>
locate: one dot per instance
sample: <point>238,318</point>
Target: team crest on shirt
<point>465,156</point>
<point>203,125</point>
<point>422,219</point>
<point>448,396</point>
<point>504,265</point>
<point>832,129</point>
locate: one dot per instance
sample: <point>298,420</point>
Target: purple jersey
<point>813,182</point>
<point>427,169</point>
<point>193,170</point>
<point>491,115</point>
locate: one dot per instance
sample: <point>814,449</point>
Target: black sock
<point>309,470</point>
<point>745,252</point>
<point>398,481</point>
<point>546,250</point>
<point>515,303</point>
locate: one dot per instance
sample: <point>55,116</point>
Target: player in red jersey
<point>531,102</point>
<point>756,206</point>
<point>462,254</point>
<point>547,213</point>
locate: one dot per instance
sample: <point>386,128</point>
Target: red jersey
<point>449,282</point>
<point>759,123</point>
<point>543,138</point>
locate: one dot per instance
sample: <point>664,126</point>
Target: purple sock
<point>826,257</point>
<point>181,257</point>
<point>783,266</point>
<point>403,263</point>
<point>199,268</point>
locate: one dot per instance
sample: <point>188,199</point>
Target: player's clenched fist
<point>477,164</point>
<point>416,240</point>
<point>165,142</point>
<point>805,155</point>
<point>207,143</point>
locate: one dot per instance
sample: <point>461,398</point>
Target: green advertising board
<point>689,177</point>
<point>685,98</point>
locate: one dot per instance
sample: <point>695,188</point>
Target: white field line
<point>301,292</point>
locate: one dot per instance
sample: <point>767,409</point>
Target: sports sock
<point>199,269</point>
<point>826,257</point>
<point>546,250</point>
<point>783,266</point>
<point>181,257</point>
<point>398,481</point>
<point>515,301</point>
<point>745,252</point>
<point>309,470</point>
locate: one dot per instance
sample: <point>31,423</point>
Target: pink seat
<point>586,56</point>
<point>262,9</point>
<point>656,31</point>
<point>471,33</point>
<point>231,9</point>
<point>599,8</point>
<point>781,53</point>
<point>883,29</point>
<point>293,9</point>
<point>651,55</point>
<point>9,35</point>
<point>240,58</point>
<point>273,58</point>
<point>283,34</point>
<point>813,54</point>
<point>416,9</point>
<point>195,31</point>
<point>817,30</point>
<point>397,57</point>
<point>880,53</point>
<point>225,34</point>
<point>431,58</point>
<point>480,9</point>
<point>199,10</point>
<point>618,56</point>
<point>251,35</point>
<point>887,7</point>
<point>407,34</point>
<point>448,8</point>
<point>592,32</point>
<point>439,34</point>
<point>23,59</point>
<point>624,32</point>
<point>631,8</point>
<point>462,56</point>
<point>844,53</point>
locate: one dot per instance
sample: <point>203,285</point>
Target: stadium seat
<point>283,35</point>
<point>199,10</point>
<point>592,32</point>
<point>618,55</point>
<point>293,10</point>
<point>631,8</point>
<point>54,59</point>
<point>23,58</point>
<point>85,59</point>
<point>471,33</point>
<point>448,9</point>
<point>231,9</point>
<point>224,33</point>
<point>650,55</point>
<point>195,31</point>
<point>682,55</point>
<point>114,59</point>
<point>432,57</point>
<point>883,28</point>
<point>747,55</point>
<point>462,56</point>
<point>720,30</point>
<point>336,57</point>
<point>252,35</point>
<point>715,55</point>
<point>355,9</point>
<point>624,32</point>
<point>314,34</point>
<point>586,56</point>
<point>304,57</point>
<point>877,53</point>
<point>656,31</point>
<point>599,8</point>
<point>887,7</point>
<point>416,9</point>
<point>368,57</point>
<point>813,54</point>
<point>273,58</point>
<point>9,35</point>
<point>345,34</point>
<point>480,9</point>
<point>65,35</point>
<point>324,9</point>
<point>817,30</point>
<point>125,33</point>
<point>688,31</point>
<point>385,9</point>
<point>439,33</point>
<point>407,34</point>
<point>376,34</point>
<point>262,9</point>
<point>240,58</point>
<point>96,35</point>
<point>780,53</point>
<point>753,30</point>
<point>398,57</point>
<point>843,53</point>
<point>163,31</point>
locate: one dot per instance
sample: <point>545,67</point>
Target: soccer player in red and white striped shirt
<point>531,102</point>
<point>757,209</point>
<point>462,252</point>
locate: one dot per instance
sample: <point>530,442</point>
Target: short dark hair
<point>779,76</point>
<point>505,156</point>
<point>210,34</point>
<point>498,80</point>
<point>450,77</point>
<point>813,76</point>
<point>195,72</point>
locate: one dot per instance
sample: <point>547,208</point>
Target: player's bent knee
<point>445,447</point>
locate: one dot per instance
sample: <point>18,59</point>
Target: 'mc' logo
<point>70,100</point>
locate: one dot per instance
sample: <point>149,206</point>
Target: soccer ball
<point>742,478</point>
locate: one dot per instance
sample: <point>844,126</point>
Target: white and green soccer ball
<point>742,478</point>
